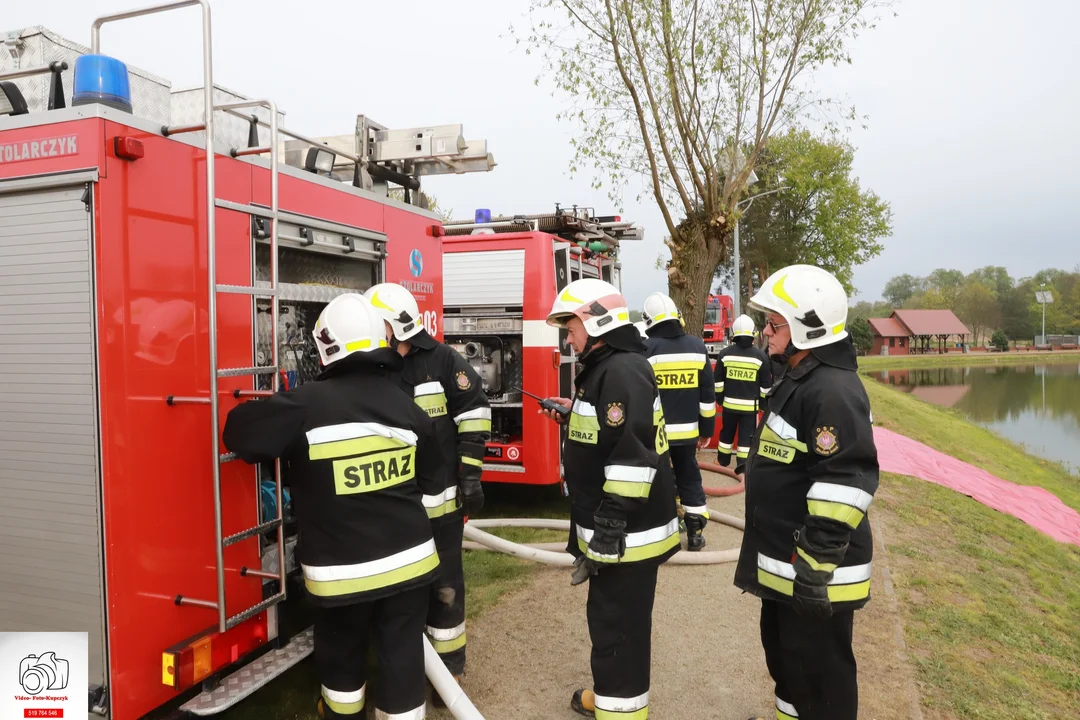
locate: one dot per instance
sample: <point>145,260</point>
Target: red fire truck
<point>718,319</point>
<point>143,293</point>
<point>500,278</point>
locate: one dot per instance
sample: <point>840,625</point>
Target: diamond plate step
<point>252,677</point>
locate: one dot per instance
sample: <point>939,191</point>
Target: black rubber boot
<point>695,528</point>
<point>583,703</point>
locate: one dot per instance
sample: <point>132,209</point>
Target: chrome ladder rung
<point>237,372</point>
<point>241,152</point>
<point>254,610</point>
<point>251,532</point>
<point>247,290</point>
<point>168,130</point>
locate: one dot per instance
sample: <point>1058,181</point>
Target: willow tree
<point>686,93</point>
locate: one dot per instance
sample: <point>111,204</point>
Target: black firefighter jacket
<point>682,373</point>
<point>810,478</point>
<point>615,457</point>
<point>358,455</point>
<point>447,388</point>
<point>742,377</point>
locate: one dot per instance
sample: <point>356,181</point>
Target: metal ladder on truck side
<point>264,669</point>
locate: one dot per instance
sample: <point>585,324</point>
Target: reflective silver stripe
<point>738,359</point>
<point>445,634</point>
<point>638,539</point>
<point>428,388</point>
<point>477,414</point>
<point>723,445</point>
<point>656,403</point>
<point>326,573</point>
<point>841,576</point>
<point>781,427</point>
<point>696,509</point>
<point>678,358</point>
<point>707,407</point>
<point>832,492</point>
<point>585,409</point>
<point>786,707</point>
<point>676,428</point>
<point>414,714</point>
<point>433,501</point>
<point>352,431</point>
<point>719,387</point>
<point>624,705</point>
<point>345,698</point>
<point>741,403</point>
<point>629,473</point>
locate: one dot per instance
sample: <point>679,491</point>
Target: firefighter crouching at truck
<point>685,380</point>
<point>447,388</point>
<point>360,456</point>
<point>742,376</point>
<point>810,479</point>
<point>624,523</point>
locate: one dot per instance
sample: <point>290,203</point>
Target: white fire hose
<point>551,553</point>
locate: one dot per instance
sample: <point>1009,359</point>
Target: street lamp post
<point>1044,298</point>
<point>738,208</point>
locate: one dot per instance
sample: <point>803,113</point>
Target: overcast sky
<point>972,134</point>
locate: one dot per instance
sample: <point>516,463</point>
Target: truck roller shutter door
<point>51,572</point>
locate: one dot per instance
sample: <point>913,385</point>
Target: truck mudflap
<point>253,676</point>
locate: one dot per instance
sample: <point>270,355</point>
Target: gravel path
<point>529,653</point>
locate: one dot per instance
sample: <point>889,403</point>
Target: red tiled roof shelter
<point>908,331</point>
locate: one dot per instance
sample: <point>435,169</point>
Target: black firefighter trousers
<point>619,612</point>
<point>446,621</point>
<point>746,422</point>
<point>688,478</point>
<point>342,636</point>
<point>811,662</point>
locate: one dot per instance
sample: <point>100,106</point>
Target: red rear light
<point>191,661</point>
<point>128,148</point>
<point>436,231</point>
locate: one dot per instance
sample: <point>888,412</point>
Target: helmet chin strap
<point>783,357</point>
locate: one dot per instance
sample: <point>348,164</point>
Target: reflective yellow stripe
<point>440,510</point>
<point>362,345</point>
<point>708,410</point>
<point>676,379</point>
<point>584,428</point>
<point>434,405</point>
<point>719,387</point>
<point>742,374</point>
<point>747,406</point>
<point>837,593</point>
<point>447,646</point>
<point>472,461</point>
<point>681,434</point>
<point>767,433</point>
<point>333,588</point>
<point>335,701</point>
<point>781,715</point>
<point>644,552</point>
<point>467,426</point>
<point>837,511</point>
<point>679,365</point>
<point>641,714</point>
<point>353,447</point>
<point>627,489</point>
<point>814,564</point>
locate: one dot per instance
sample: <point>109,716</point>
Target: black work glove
<point>810,592</point>
<point>607,546</point>
<point>472,496</point>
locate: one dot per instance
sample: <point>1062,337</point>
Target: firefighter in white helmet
<point>361,456</point>
<point>742,377</point>
<point>624,523</point>
<point>447,388</point>
<point>810,479</point>
<point>681,364</point>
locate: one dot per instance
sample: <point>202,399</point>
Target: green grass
<point>488,577</point>
<point>904,362</point>
<point>991,606</point>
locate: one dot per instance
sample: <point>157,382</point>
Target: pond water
<point>1037,406</point>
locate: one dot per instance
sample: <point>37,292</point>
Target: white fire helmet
<point>599,305</point>
<point>397,306</point>
<point>659,308</point>
<point>742,327</point>
<point>811,301</point>
<point>348,325</point>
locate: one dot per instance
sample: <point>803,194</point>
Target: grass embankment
<point>905,362</point>
<point>488,577</point>
<point>991,606</point>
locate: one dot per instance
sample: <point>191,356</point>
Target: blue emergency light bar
<point>101,79</point>
<point>483,215</point>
